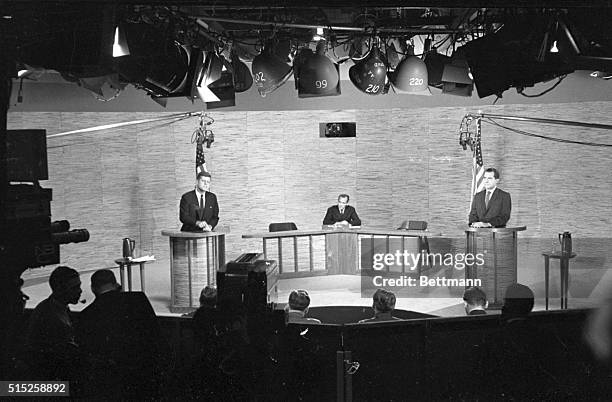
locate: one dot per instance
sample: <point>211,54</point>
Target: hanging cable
<point>517,131</point>
<point>520,90</point>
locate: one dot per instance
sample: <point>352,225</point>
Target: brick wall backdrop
<point>272,166</point>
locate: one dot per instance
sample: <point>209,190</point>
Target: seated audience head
<point>518,301</point>
<point>65,284</point>
<point>299,300</point>
<point>383,301</point>
<point>474,298</point>
<point>208,296</point>
<point>102,281</point>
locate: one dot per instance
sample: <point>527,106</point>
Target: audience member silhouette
<point>120,330</point>
<point>299,356</point>
<point>205,316</point>
<point>522,348</point>
<point>297,308</point>
<point>518,302</point>
<point>383,305</point>
<point>475,301</point>
<point>12,324</point>
<point>52,351</point>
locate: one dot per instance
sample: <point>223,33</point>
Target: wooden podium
<point>195,258</point>
<point>499,248</point>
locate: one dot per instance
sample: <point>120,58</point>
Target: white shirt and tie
<point>201,196</point>
<point>488,196</point>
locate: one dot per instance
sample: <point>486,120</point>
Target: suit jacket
<point>388,316</point>
<point>498,212</point>
<point>120,324</point>
<point>121,330</point>
<point>190,211</point>
<point>333,215</point>
<point>297,317</point>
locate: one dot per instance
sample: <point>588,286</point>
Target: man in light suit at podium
<point>491,207</point>
<point>199,211</point>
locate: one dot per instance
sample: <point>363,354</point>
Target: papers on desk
<point>144,258</point>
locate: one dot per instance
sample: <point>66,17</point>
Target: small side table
<point>123,263</point>
<point>564,273</point>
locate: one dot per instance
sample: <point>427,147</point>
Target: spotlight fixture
<point>369,74</point>
<point>456,78</point>
<point>316,75</point>
<point>158,63</point>
<point>554,48</point>
<point>269,72</point>
<point>120,44</point>
<point>511,58</point>
<point>410,76</point>
<point>215,81</point>
<point>243,80</point>
<point>435,63</point>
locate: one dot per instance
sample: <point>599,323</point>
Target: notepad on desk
<point>144,258</point>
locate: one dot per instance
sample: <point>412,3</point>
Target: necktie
<point>201,200</point>
<point>487,198</point>
<point>341,211</point>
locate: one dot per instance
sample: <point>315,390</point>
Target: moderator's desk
<point>499,248</point>
<point>341,245</point>
<point>194,261</point>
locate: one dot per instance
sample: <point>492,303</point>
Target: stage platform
<point>340,290</point>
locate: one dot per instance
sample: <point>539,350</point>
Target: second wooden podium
<point>499,248</point>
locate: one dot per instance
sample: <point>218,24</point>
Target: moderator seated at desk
<point>342,214</point>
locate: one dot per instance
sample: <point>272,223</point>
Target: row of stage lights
<point>522,52</point>
<point>187,71</point>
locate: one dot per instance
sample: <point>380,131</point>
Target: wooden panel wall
<point>273,167</point>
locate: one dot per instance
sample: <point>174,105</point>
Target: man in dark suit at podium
<point>342,214</point>
<point>199,211</point>
<point>491,207</point>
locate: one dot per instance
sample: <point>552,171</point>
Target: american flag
<point>200,161</point>
<point>477,166</point>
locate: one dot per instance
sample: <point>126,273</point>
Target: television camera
<point>29,238</point>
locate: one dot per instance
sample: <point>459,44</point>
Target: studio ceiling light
<point>554,48</point>
<point>456,78</point>
<point>215,81</point>
<point>269,71</point>
<point>411,77</point>
<point>243,80</point>
<point>120,45</point>
<point>369,74</point>
<point>316,74</point>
